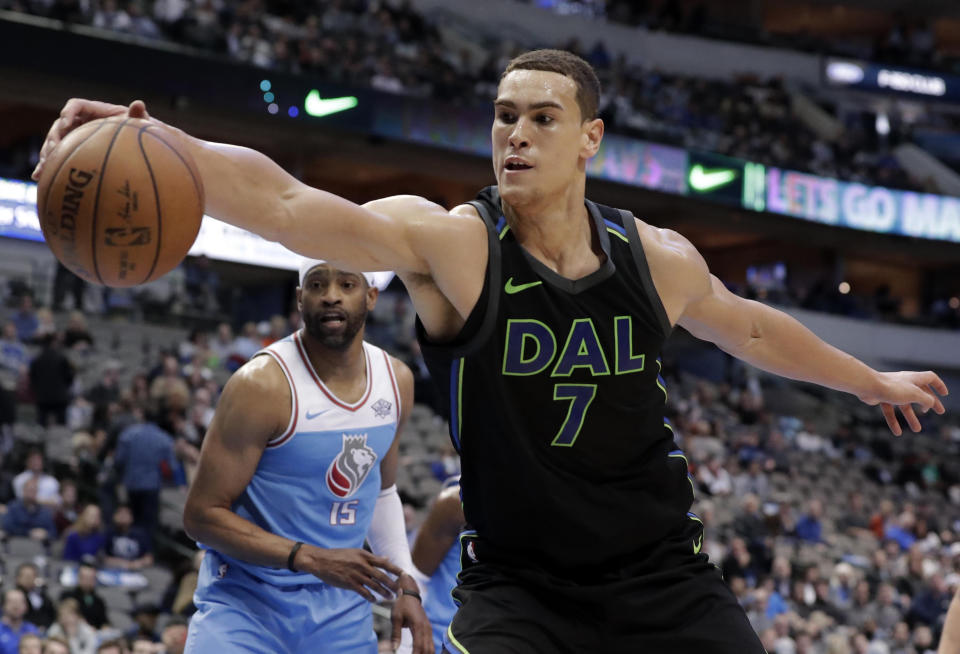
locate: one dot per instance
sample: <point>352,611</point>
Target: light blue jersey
<point>318,483</point>
<point>438,603</point>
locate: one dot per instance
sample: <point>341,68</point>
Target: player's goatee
<point>337,338</point>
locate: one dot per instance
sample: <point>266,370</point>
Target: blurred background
<point>809,149</point>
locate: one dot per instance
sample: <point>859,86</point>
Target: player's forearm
<point>246,188</point>
<point>226,532</point>
<point>782,345</point>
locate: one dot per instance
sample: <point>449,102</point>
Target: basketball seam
<point>96,201</point>
<point>196,183</point>
<point>46,200</point>
<point>156,195</point>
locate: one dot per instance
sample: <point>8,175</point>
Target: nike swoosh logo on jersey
<point>511,289</point>
<point>316,414</point>
<point>697,546</point>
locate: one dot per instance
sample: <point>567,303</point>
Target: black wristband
<point>411,593</point>
<point>293,555</point>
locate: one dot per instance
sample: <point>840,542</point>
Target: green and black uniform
<point>576,495</point>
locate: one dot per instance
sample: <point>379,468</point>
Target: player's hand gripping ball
<point>120,201</point>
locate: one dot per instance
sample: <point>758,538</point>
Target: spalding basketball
<point>120,201</point>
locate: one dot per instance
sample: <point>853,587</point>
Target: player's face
<point>540,142</point>
<point>334,305</point>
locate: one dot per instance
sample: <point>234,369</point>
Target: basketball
<point>120,201</point>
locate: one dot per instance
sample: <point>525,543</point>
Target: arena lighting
<point>844,72</point>
<point>911,82</point>
<point>844,288</point>
<point>265,85</point>
<point>319,107</point>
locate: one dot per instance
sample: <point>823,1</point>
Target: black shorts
<point>670,601</point>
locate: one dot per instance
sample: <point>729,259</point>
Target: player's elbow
<point>195,520</point>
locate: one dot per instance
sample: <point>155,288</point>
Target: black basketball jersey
<point>556,405</point>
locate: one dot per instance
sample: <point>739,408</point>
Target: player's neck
<point>558,232</point>
<point>334,365</point>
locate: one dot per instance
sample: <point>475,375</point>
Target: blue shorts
<point>237,612</point>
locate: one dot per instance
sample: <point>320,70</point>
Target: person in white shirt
<point>48,488</point>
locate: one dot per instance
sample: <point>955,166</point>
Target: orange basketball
<point>120,201</point>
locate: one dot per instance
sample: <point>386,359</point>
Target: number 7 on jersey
<point>580,396</point>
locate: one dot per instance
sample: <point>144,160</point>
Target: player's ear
<point>591,133</point>
<point>372,294</point>
<point>300,299</point>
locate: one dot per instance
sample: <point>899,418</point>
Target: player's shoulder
<point>261,376</point>
<point>674,261</point>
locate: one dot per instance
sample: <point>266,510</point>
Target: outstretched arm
<point>776,342</point>
<point>243,187</point>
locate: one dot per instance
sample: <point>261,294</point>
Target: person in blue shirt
<point>436,555</point>
<point>85,538</point>
<point>141,449</point>
<point>27,517</point>
<point>13,369</point>
<point>128,547</point>
<point>26,320</point>
<point>808,527</point>
<point>12,624</point>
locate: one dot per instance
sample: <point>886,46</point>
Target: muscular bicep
<point>438,532</point>
<point>721,317</point>
<point>404,379</point>
<point>253,409</point>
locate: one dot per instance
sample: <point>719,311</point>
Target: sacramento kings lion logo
<point>351,466</point>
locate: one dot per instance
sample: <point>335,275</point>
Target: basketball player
<point>436,558</point>
<point>544,315</point>
<point>297,468</point>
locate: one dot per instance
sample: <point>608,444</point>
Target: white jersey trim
<point>294,401</point>
<point>323,387</point>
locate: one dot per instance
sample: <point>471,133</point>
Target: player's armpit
<point>253,409</point>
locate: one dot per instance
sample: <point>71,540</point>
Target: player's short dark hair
<point>565,63</point>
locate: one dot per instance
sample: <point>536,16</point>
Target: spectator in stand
<point>886,610</point>
<point>92,607</point>
<point>879,520</point>
<point>116,646</point>
<point>85,538</point>
<point>51,376</point>
<point>750,523</point>
<point>174,636</point>
<point>809,527</point>
<point>70,625</point>
<point>31,644</point>
<point>930,603</point>
<point>46,326</point>
<point>145,624</point>
<point>12,623</point>
<point>65,282</point>
<point>169,390</point>
<point>27,517</point>
<point>77,335</point>
<point>14,363</point>
<point>128,547</point>
<point>105,392</point>
<point>246,344</point>
<point>143,646</point>
<point>56,645</point>
<point>752,480</point>
<point>40,610</point>
<point>26,319</point>
<point>143,452</point>
<point>67,511</point>
<point>715,478</point>
<point>854,521</point>
<point>221,346</point>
